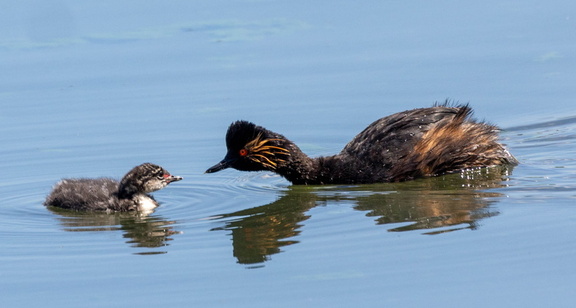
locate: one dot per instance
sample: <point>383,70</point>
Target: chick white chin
<point>145,203</point>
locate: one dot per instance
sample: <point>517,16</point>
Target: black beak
<point>225,163</point>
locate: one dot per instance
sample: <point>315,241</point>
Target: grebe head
<point>252,148</point>
<point>146,178</point>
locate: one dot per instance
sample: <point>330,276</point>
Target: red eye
<point>243,152</point>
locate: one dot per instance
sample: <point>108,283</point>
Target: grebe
<point>106,194</point>
<point>403,146</point>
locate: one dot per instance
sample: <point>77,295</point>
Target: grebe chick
<point>403,146</point>
<point>106,194</point>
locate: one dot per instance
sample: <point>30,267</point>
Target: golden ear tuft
<point>263,153</point>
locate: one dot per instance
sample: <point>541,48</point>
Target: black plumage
<point>403,146</point>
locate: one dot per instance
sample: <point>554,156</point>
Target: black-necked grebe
<point>105,194</point>
<point>403,146</point>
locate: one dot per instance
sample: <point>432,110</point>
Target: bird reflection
<point>437,205</point>
<point>139,229</point>
<point>260,232</point>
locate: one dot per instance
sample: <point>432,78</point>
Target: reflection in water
<point>447,203</point>
<point>429,209</point>
<point>261,231</point>
<point>140,230</point>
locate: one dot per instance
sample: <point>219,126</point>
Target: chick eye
<point>243,152</point>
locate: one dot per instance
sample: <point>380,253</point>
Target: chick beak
<point>173,178</point>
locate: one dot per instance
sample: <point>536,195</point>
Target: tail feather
<point>457,144</point>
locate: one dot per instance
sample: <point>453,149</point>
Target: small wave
<point>546,124</point>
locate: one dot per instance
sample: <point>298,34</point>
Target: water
<point>93,89</point>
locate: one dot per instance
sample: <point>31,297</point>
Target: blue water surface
<point>92,89</point>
